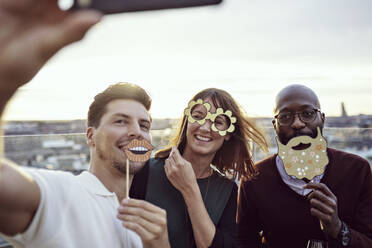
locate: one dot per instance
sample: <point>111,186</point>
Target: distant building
<point>346,121</point>
<point>343,110</point>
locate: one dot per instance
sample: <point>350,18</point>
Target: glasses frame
<point>299,116</point>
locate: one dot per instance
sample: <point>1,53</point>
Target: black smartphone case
<point>118,6</point>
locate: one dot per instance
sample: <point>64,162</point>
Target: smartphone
<point>119,6</point>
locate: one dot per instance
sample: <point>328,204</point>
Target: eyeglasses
<point>306,116</point>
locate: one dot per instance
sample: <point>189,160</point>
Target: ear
<point>323,118</point>
<point>227,137</point>
<point>90,135</point>
<point>274,123</point>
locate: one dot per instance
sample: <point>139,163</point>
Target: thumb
<point>72,29</point>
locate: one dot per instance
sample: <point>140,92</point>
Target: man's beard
<point>134,167</point>
<point>120,166</point>
<point>306,163</point>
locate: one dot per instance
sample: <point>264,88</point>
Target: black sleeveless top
<point>217,193</point>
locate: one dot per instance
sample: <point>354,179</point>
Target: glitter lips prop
<point>138,150</point>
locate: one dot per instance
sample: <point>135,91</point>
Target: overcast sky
<point>252,48</point>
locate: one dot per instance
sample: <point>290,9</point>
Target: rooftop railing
<point>70,151</point>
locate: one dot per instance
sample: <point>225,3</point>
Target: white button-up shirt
<point>294,183</point>
<point>74,212</point>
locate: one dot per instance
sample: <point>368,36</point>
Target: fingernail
<point>120,217</point>
<point>121,208</point>
<point>125,201</point>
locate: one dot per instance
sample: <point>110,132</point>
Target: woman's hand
<point>180,172</point>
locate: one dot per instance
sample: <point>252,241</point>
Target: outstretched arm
<point>31,32</point>
<point>19,199</point>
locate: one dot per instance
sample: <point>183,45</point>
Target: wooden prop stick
<point>127,189</point>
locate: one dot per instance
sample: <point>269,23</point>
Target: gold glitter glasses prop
<point>222,121</point>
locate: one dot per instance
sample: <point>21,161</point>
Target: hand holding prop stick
<point>324,206</point>
<point>144,218</point>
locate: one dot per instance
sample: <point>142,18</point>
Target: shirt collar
<point>93,184</point>
<point>294,183</point>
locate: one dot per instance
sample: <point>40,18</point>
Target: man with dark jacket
<point>334,208</point>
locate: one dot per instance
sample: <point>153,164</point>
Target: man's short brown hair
<point>116,91</point>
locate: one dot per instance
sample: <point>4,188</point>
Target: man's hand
<point>324,206</point>
<point>180,172</point>
<point>32,32</point>
<point>147,220</point>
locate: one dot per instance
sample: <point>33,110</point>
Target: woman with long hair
<point>193,178</point>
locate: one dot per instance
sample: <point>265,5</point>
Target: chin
<point>205,152</point>
<point>135,167</point>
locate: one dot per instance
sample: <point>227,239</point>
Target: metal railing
<point>70,152</point>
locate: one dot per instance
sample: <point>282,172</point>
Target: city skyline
<point>252,49</point>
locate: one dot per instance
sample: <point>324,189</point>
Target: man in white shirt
<point>40,208</point>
